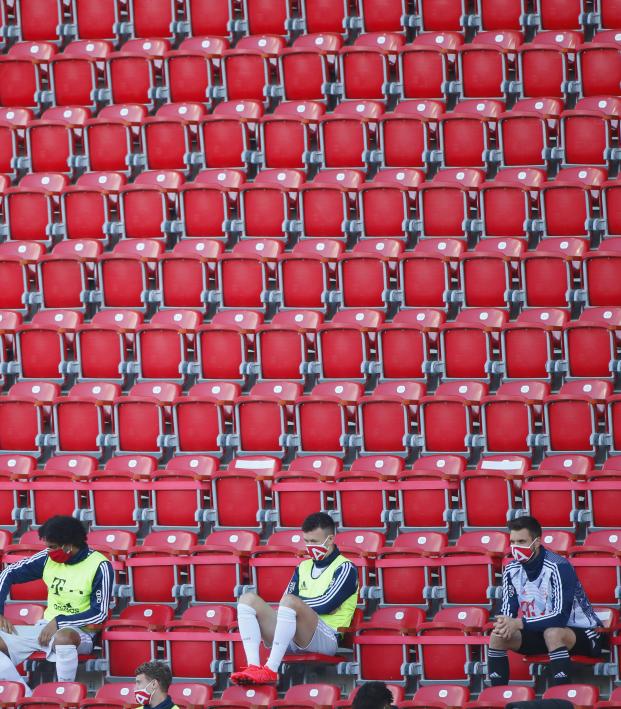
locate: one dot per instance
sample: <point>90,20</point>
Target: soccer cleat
<point>255,675</point>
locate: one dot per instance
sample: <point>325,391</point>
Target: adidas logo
<point>495,675</point>
<point>560,675</point>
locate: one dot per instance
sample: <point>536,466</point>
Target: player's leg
<point>559,642</point>
<point>498,660</point>
<point>257,621</point>
<point>64,646</point>
<point>14,649</point>
<point>296,622</point>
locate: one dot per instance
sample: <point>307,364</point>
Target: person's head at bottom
<point>152,682</point>
<point>64,536</point>
<point>373,695</point>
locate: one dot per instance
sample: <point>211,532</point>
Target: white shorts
<point>325,641</point>
<point>25,641</point>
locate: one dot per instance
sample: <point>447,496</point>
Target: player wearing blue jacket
<point>544,608</point>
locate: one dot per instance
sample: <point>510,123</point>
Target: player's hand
<point>48,633</point>
<point>502,627</point>
<point>6,625</point>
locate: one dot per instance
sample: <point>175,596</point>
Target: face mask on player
<point>523,553</point>
<point>59,555</point>
<point>142,696</point>
<point>317,552</point>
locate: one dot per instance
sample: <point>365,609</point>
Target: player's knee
<point>291,601</point>
<point>3,647</point>
<point>498,643</point>
<point>66,637</point>
<point>554,637</point>
<point>249,598</point>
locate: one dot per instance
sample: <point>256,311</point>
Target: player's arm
<point>563,582</point>
<point>101,593</point>
<point>28,569</point>
<point>344,584</point>
<point>510,604</point>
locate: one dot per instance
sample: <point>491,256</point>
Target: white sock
<point>250,632</point>
<point>9,672</point>
<point>66,662</point>
<point>286,624</point>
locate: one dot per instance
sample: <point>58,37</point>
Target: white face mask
<point>523,553</point>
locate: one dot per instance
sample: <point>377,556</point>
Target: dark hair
<point>373,695</point>
<point>62,530</point>
<point>158,671</point>
<point>526,522</point>
<point>319,520</point>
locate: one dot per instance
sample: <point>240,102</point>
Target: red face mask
<point>317,552</point>
<point>521,553</point>
<point>59,555</point>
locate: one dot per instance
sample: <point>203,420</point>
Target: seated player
<point>320,599</point>
<point>544,609</point>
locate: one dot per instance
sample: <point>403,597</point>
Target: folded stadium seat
<point>528,133</point>
<point>114,695</point>
<point>18,273</point>
<point>308,274</point>
<point>25,414</point>
<point>188,695</point>
<point>308,69</point>
<point>599,572</point>
<point>575,417</point>
<point>499,14</point>
<point>128,273</point>
<point>220,565</point>
<point>603,488</point>
<point>578,465</point>
<point>22,614</point>
<point>264,419</point>
<point>328,203</point>
<point>236,697</point>
<point>45,346</point>
<point>600,268</point>
<point>156,18</point>
<point>29,544</point>
<point>411,332</point>
<point>532,343</point>
<point>101,21</point>
<point>78,75</point>
<point>467,134</point>
<point>613,701</point>
<point>345,345</point>
<point>367,67</point>
<point>488,494</point>
<point>490,275</point>
<point>113,138</point>
<point>159,566</point>
<point>547,63</point>
<point>610,14</point>
<point>368,275</point>
<point>57,695</point>
<point>276,17</point>
<point>66,276</point>
<point>589,132</point>
<point>450,646</point>
<point>387,203</point>
<point>272,565</point>
<point>328,16</point>
<point>428,66</point>
<point>150,205</point>
<point>247,275</point>
<point>447,203</point>
<point>583,694</point>
<point>136,71</point>
<point>591,344</point>
<point>132,637</point>
<point>326,417</point>
<point>83,417</point>
<point>348,135</point>
<point>209,203</point>
<point>250,71</point>
<point>288,136</point>
<point>475,331</point>
<point>225,346</point>
<point>170,137</point>
<point>286,347</point>
<point>550,272</point>
<point>559,15</point>
<point>449,419</point>
<point>193,70</point>
<point>385,642</point>
<point>89,208</point>
<point>362,499</point>
<point>556,496</point>
<point>24,72</point>
<point>426,496</point>
<point>13,123</point>
<point>614,417</point>
<point>32,209</point>
<point>407,134</point>
<point>497,697</point>
<point>313,696</point>
<point>201,418</point>
<point>9,322</point>
<point>430,273</point>
<point>142,419</point>
<point>404,569</point>
<point>362,548</point>
<point>602,51</point>
<point>228,133</point>
<point>389,417</point>
<point>612,228</point>
<point>516,408</point>
<point>447,696</point>
<point>246,479</point>
<point>487,63</point>
<point>104,347</point>
<point>397,691</point>
<point>37,20</point>
<point>470,571</point>
<point>510,204</point>
<point>268,203</point>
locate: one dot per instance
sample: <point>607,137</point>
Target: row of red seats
<point>377,66</point>
<point>299,135</point>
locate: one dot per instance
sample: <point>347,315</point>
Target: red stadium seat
<point>227,133</point>
<point>110,140</point>
<point>251,69</point>
<point>192,70</point>
<point>550,271</point>
<point>486,64</point>
<point>327,203</point>
<point>22,72</point>
<point>78,75</point>
<point>170,138</point>
<point>597,118</point>
<point>366,66</point>
<point>592,57</point>
<point>18,273</point>
<point>289,135</point>
<point>428,65</point>
<point>308,68</point>
<point>407,134</point>
<point>13,122</point>
<point>134,70</point>
<point>546,63</point>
